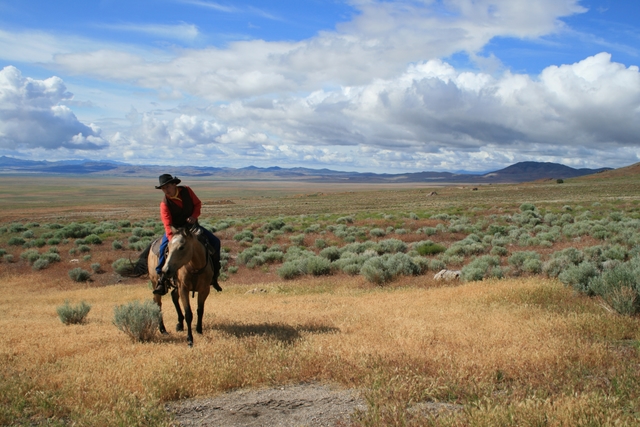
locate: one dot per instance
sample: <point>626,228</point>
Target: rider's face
<point>169,189</point>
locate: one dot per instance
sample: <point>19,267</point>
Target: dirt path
<point>291,406</point>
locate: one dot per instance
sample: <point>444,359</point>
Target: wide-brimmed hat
<point>165,179</point>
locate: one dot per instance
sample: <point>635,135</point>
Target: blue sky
<point>366,85</point>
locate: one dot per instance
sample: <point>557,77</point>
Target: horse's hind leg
<point>176,302</point>
<point>158,300</point>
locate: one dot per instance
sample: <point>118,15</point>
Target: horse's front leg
<point>158,300</point>
<point>176,302</point>
<point>203,293</point>
<point>188,314</point>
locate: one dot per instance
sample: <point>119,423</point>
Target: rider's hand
<point>191,220</point>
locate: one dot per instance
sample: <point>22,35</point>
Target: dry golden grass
<point>524,351</point>
<point>515,346</point>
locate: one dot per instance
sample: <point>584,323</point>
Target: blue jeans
<point>213,241</point>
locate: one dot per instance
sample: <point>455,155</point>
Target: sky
<point>351,85</point>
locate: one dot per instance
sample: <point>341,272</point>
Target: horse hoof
<point>179,328</point>
<point>164,332</point>
<point>190,343</point>
<point>199,331</point>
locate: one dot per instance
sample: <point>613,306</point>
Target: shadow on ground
<point>284,333</point>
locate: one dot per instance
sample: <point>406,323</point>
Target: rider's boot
<point>161,286</point>
<point>215,261</point>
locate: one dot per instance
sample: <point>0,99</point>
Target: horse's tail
<point>140,268</point>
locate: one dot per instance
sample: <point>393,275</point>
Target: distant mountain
<point>519,172</point>
<point>532,171</point>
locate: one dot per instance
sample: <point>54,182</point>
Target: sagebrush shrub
<point>578,276</point>
<point>69,314</point>
<point>40,264</point>
<point>331,253</point>
<point>316,266</point>
<point>289,270</point>
<point>391,246</point>
<point>375,270</point>
<point>16,241</point>
<point>138,320</point>
<point>244,235</point>
<point>377,232</point>
<point>297,240</point>
<point>79,275</point>
<point>427,247</point>
<point>30,255</point>
<point>619,286</point>
<point>93,239</point>
<point>481,268</point>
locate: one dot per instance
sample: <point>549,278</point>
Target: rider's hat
<point>165,179</point>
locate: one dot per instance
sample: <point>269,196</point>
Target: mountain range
<point>518,172</point>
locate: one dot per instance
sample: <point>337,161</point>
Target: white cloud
<point>182,31</point>
<point>377,43</point>
<point>31,115</point>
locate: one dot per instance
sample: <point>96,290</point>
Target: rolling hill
<point>519,172</point>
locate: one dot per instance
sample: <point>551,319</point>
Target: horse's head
<point>180,250</point>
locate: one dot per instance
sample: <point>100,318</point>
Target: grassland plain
<point>524,349</point>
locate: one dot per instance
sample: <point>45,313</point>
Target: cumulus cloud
<point>31,115</point>
<point>378,43</point>
<point>432,116</point>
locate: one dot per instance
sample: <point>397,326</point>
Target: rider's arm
<point>165,216</point>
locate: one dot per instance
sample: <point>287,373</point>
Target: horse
<point>188,267</point>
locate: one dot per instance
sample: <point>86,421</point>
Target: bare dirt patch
<point>297,405</point>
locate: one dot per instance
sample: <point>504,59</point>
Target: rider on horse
<point>180,207</point>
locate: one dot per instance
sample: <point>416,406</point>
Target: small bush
<point>320,243</point>
<point>138,320</point>
<point>79,275</point>
<point>245,235</point>
<point>289,270</point>
<point>297,240</point>
<point>16,241</point>
<point>619,287</point>
<point>93,239</point>
<point>316,266</point>
<point>51,257</point>
<point>95,267</point>
<point>377,232</point>
<point>345,220</point>
<point>375,270</point>
<point>391,246</point>
<point>481,268</point>
<point>69,314</point>
<point>427,247</point>
<point>527,207</point>
<point>30,255</point>
<point>578,276</point>
<point>40,264</point>
<point>499,251</point>
<point>331,253</point>
<point>117,244</point>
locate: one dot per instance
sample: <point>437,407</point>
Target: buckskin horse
<point>188,267</point>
